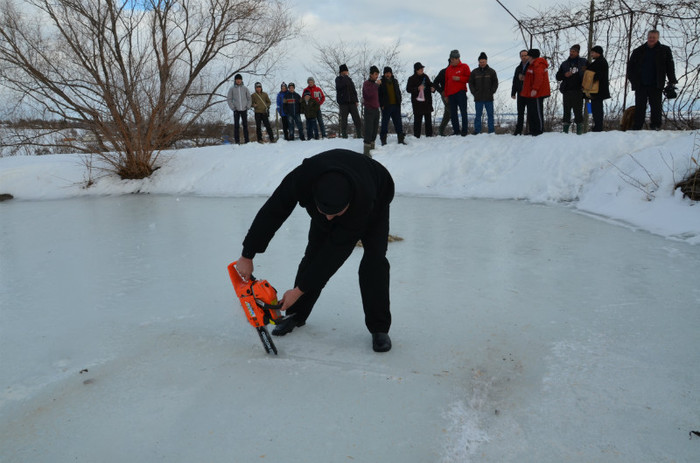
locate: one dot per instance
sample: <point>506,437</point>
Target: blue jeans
<point>480,105</point>
<point>459,101</point>
<point>295,120</point>
<point>393,112</point>
<point>312,128</point>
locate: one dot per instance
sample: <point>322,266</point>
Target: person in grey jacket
<point>483,83</point>
<point>239,100</point>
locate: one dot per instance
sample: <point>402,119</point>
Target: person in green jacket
<point>261,106</point>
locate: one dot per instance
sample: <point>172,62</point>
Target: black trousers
<point>573,101</point>
<point>262,119</point>
<point>598,115</point>
<point>522,104</point>
<point>371,124</point>
<point>344,110</point>
<point>418,119</point>
<point>535,115</point>
<point>642,95</point>
<point>240,118</point>
<point>373,272</point>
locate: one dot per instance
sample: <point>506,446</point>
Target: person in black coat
<point>346,96</point>
<point>599,65</point>
<point>516,88</point>
<point>647,70</point>
<point>439,84</point>
<point>420,86</point>
<point>390,102</point>
<point>347,195</point>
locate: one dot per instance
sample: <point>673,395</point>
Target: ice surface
<point>521,332</point>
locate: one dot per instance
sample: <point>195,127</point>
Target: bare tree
<point>358,57</point>
<point>133,73</point>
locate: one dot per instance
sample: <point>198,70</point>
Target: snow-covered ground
<point>524,330</point>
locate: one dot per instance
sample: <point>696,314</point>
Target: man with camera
<point>571,76</point>
<point>647,70</point>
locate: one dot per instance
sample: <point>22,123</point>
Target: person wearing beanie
<point>439,84</point>
<point>310,108</point>
<point>347,197</point>
<point>648,68</point>
<point>390,102</point>
<point>318,95</point>
<point>280,111</point>
<point>239,100</point>
<point>483,83</point>
<point>292,108</point>
<point>346,97</point>
<point>421,89</point>
<point>516,88</point>
<point>570,74</point>
<point>456,80</point>
<point>600,69</point>
<point>261,108</point>
<point>535,90</point>
<point>370,101</point>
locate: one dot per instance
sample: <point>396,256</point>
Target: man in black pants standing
<point>347,196</point>
<point>516,88</point>
<point>647,70</point>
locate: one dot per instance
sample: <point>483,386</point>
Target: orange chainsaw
<point>259,301</point>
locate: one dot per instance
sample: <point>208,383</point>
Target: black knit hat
<point>373,69</point>
<point>237,77</point>
<point>598,49</point>
<point>332,192</point>
<point>343,67</point>
<point>483,56</point>
<point>576,47</point>
<point>388,69</point>
<point>533,52</point>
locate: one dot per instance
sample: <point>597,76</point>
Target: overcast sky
<point>427,31</point>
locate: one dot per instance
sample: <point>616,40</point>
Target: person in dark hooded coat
<point>347,196</point>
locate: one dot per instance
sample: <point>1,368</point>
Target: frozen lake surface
<point>521,332</point>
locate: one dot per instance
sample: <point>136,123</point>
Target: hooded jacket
<point>238,98</point>
<point>372,191</point>
<point>453,86</point>
<point>536,78</point>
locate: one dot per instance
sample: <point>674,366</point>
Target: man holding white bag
<point>421,88</point>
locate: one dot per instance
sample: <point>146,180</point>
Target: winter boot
<point>383,139</point>
<point>566,127</point>
<point>367,150</point>
<point>287,325</point>
<point>401,139</point>
<point>579,129</point>
<point>381,342</point>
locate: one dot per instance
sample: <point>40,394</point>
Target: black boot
<point>287,325</point>
<point>383,140</point>
<point>381,342</point>
<point>402,140</point>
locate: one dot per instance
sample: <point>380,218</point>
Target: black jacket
<point>384,96</point>
<point>483,83</point>
<point>663,62</point>
<point>345,91</point>
<point>574,81</point>
<point>601,69</point>
<point>439,81</point>
<point>420,107</point>
<point>517,86</point>
<point>373,190</point>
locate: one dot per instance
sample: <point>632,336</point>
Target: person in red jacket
<point>317,94</point>
<point>456,79</point>
<point>535,90</point>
